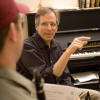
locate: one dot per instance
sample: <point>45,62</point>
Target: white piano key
<point>84,55</point>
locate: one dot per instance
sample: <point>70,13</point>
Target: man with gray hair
<point>43,52</point>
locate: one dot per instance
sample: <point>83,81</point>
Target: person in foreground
<point>13,86</point>
<point>43,52</point>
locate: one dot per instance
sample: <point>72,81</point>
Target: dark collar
<point>41,42</point>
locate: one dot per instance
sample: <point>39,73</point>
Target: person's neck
<point>48,43</point>
<point>7,61</point>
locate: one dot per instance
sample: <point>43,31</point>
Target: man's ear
<point>57,27</point>
<point>12,32</point>
<point>36,27</point>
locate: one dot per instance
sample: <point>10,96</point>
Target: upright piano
<point>75,23</point>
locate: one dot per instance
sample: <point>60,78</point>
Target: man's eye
<point>53,24</point>
<point>44,24</point>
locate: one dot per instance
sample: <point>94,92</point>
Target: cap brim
<point>22,8</point>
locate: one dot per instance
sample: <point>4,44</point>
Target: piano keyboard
<point>85,55</point>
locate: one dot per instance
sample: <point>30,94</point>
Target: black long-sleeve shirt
<point>36,54</point>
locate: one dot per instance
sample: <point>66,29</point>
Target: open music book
<point>59,92</point>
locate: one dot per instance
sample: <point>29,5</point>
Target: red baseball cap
<point>9,10</point>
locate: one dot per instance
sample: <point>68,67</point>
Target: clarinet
<point>87,97</point>
<point>38,81</point>
<point>99,79</point>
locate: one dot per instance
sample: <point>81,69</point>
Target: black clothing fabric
<point>36,54</point>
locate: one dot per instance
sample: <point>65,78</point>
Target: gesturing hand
<point>78,43</point>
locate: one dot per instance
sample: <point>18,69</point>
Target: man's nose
<point>49,27</point>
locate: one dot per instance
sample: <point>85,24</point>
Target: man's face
<point>47,27</point>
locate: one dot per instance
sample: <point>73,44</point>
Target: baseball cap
<point>9,10</point>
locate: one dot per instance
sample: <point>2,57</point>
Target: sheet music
<point>59,92</point>
<point>86,76</point>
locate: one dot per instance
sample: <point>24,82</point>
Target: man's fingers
<point>85,42</point>
<point>79,42</point>
<point>83,38</point>
<point>78,98</point>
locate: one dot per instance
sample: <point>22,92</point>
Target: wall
<point>60,4</point>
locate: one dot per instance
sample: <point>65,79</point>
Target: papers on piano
<point>59,92</point>
<point>86,76</point>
